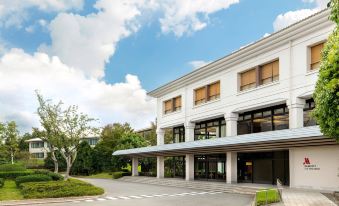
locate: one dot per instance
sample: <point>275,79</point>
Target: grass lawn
<point>103,175</point>
<point>271,194</point>
<point>10,191</point>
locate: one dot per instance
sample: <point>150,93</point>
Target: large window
<point>316,56</point>
<point>210,129</point>
<point>207,93</point>
<point>172,105</point>
<point>268,119</point>
<point>308,119</point>
<point>37,144</point>
<point>262,74</point>
<point>92,141</point>
<point>178,134</point>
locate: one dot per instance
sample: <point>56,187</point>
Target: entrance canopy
<point>273,140</point>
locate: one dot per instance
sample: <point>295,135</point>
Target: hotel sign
<point>310,166</point>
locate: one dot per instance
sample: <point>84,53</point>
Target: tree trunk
<point>12,158</point>
<point>55,160</point>
<point>68,167</point>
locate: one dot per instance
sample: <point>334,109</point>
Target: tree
<point>10,134</point>
<point>63,129</point>
<point>326,95</point>
<point>23,145</point>
<point>83,165</point>
<point>49,162</point>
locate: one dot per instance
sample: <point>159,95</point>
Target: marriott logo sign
<point>308,166</point>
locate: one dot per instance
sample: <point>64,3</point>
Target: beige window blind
<point>214,91</point>
<point>168,106</point>
<point>177,103</point>
<point>200,95</point>
<point>316,56</point>
<point>248,79</point>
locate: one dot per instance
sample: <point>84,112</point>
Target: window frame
<point>205,125</point>
<point>272,77</point>
<point>174,108</point>
<point>207,98</point>
<point>309,55</point>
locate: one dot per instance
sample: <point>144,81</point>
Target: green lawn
<point>10,191</point>
<point>103,175</point>
<point>272,196</point>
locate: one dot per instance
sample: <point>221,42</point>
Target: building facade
<point>246,117</point>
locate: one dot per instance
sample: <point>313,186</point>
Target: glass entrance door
<point>210,167</point>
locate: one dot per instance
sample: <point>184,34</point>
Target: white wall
<point>326,161</point>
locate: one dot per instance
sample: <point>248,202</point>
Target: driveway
<point>131,194</point>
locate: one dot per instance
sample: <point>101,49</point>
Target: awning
<point>273,140</point>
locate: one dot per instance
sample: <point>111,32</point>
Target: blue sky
<point>88,52</point>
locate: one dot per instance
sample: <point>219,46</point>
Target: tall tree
<point>10,135</point>
<point>326,95</point>
<point>23,145</point>
<point>83,165</point>
<point>64,128</point>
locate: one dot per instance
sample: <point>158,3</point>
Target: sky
<point>104,55</point>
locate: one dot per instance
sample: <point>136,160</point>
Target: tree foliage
<point>83,165</point>
<point>326,94</point>
<point>9,134</point>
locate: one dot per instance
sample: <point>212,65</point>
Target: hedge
<point>55,189</point>
<point>54,176</point>
<point>2,182</point>
<point>117,175</point>
<point>11,167</point>
<point>32,178</point>
<point>15,174</point>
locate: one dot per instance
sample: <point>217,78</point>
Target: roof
<point>34,140</point>
<point>281,37</point>
<point>265,140</point>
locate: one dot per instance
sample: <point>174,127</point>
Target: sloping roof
<point>281,37</point>
<point>279,138</point>
<point>34,140</point>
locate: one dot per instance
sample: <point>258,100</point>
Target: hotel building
<point>246,117</point>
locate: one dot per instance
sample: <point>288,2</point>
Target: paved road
<point>131,194</point>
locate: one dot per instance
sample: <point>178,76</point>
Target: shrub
<point>54,176</point>
<point>54,189</point>
<point>272,195</point>
<point>2,182</point>
<point>117,175</point>
<point>32,178</point>
<point>15,174</point>
<point>12,167</point>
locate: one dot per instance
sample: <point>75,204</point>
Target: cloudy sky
<point>104,55</point>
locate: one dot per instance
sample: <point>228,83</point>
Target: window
<point>248,79</point>
<point>37,144</point>
<point>178,134</point>
<point>172,105</point>
<point>308,119</point>
<point>269,72</point>
<point>268,119</point>
<point>316,56</point>
<point>39,155</point>
<point>210,129</point>
<point>92,141</point>
<point>207,93</point>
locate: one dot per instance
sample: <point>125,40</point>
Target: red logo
<point>306,161</point>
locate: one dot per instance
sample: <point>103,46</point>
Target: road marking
<point>136,197</point>
<point>124,198</point>
<point>89,200</point>
<point>111,198</point>
<point>101,199</point>
<point>146,196</point>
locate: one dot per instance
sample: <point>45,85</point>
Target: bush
<point>117,175</point>
<point>54,176</point>
<point>32,178</point>
<point>12,167</point>
<point>15,174</point>
<point>55,189</point>
<point>272,196</point>
<point>2,182</point>
<point>34,164</point>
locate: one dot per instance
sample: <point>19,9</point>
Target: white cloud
<point>198,63</point>
<point>187,16</point>
<point>14,12</point>
<point>21,74</point>
<point>290,17</point>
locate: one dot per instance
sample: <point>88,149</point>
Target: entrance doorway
<point>175,167</point>
<point>263,167</point>
<point>210,167</point>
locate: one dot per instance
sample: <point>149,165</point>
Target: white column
<point>189,131</point>
<point>189,167</point>
<point>135,163</point>
<point>296,113</point>
<point>231,167</point>
<point>160,167</point>
<point>160,136</point>
<point>231,124</point>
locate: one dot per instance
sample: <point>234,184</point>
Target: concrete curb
<point>47,200</point>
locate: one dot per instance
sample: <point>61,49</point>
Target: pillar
<point>189,131</point>
<point>160,136</point>
<point>296,113</point>
<point>189,167</point>
<point>160,167</point>
<point>231,167</point>
<point>135,164</point>
<point>231,124</point>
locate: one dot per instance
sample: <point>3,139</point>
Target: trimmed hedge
<point>2,182</point>
<point>54,189</point>
<point>14,174</point>
<point>32,178</point>
<point>117,175</point>
<point>12,167</point>
<point>54,176</point>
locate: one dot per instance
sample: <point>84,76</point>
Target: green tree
<point>23,145</point>
<point>83,165</point>
<point>49,162</point>
<point>10,134</point>
<point>326,95</point>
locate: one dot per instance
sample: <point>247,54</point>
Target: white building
<point>39,148</point>
<point>246,117</point>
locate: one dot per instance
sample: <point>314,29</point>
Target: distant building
<point>144,132</point>
<point>38,148</point>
